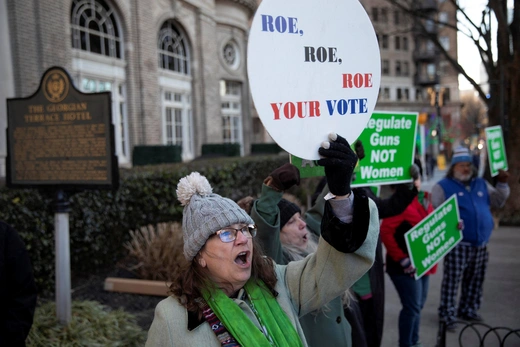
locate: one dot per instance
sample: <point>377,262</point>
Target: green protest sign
<point>389,143</point>
<point>308,168</point>
<point>436,235</point>
<point>496,149</point>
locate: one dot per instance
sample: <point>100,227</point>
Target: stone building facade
<point>412,68</point>
<point>176,68</point>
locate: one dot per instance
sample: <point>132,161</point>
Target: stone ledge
<point>136,286</point>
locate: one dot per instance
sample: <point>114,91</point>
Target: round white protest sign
<point>314,68</point>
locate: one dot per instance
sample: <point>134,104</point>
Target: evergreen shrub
<point>100,221</point>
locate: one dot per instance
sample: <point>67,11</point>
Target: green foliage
<point>151,155</point>
<point>100,221</point>
<point>92,324</point>
<point>221,149</point>
<point>271,148</point>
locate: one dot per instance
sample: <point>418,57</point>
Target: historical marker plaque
<point>60,136</point>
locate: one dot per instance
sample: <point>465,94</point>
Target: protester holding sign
<point>366,314</point>
<point>412,292</point>
<point>285,237</point>
<point>229,294</point>
<point>468,260</point>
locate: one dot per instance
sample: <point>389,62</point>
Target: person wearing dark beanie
<point>287,210</point>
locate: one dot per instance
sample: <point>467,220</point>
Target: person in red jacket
<point>412,292</point>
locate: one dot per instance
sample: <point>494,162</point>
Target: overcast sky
<point>467,51</point>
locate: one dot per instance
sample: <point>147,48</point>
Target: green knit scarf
<point>279,330</point>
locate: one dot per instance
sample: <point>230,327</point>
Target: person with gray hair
<point>229,294</point>
<point>467,262</point>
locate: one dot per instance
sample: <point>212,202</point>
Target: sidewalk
<point>427,185</point>
<point>501,297</point>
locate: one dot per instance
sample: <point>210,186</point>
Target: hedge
<point>220,150</point>
<point>152,155</point>
<point>265,148</point>
<point>100,220</point>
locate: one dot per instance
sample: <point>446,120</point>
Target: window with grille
<point>384,15</point>
<point>406,68</point>
<point>375,14</point>
<point>397,18</point>
<point>94,28</point>
<point>385,70</point>
<point>178,121</point>
<point>231,108</point>
<point>173,49</point>
<point>119,117</point>
<point>385,41</point>
<point>398,68</point>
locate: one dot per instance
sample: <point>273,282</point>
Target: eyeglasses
<point>230,234</point>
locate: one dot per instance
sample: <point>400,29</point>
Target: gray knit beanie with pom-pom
<point>204,212</point>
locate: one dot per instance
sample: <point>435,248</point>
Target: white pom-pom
<point>194,183</point>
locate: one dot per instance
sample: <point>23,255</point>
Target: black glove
<point>339,162</point>
<point>360,151</point>
<point>503,176</point>
<point>284,177</point>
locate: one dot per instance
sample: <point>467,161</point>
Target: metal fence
<point>478,334</point>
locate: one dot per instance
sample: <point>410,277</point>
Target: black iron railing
<point>478,334</point>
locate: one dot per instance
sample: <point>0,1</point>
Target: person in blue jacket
<point>467,262</point>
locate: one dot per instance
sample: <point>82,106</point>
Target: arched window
<point>94,28</point>
<point>175,81</point>
<point>173,50</point>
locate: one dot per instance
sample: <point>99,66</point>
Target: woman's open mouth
<point>243,259</point>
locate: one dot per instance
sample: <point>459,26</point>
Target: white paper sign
<point>314,68</point>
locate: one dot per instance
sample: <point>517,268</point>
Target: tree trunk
<point>510,213</point>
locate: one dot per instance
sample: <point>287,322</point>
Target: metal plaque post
<point>62,243</point>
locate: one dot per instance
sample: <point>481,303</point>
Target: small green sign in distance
<point>433,238</point>
<point>496,149</point>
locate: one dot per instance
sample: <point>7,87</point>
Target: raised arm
<point>265,210</point>
<point>346,249</point>
<point>499,194</point>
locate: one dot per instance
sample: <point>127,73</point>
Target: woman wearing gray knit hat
<point>229,294</point>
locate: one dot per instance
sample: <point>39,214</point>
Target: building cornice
<point>251,5</point>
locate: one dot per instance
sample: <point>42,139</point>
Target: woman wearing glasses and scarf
<point>229,294</point>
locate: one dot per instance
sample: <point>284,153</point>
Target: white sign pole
<point>62,244</point>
